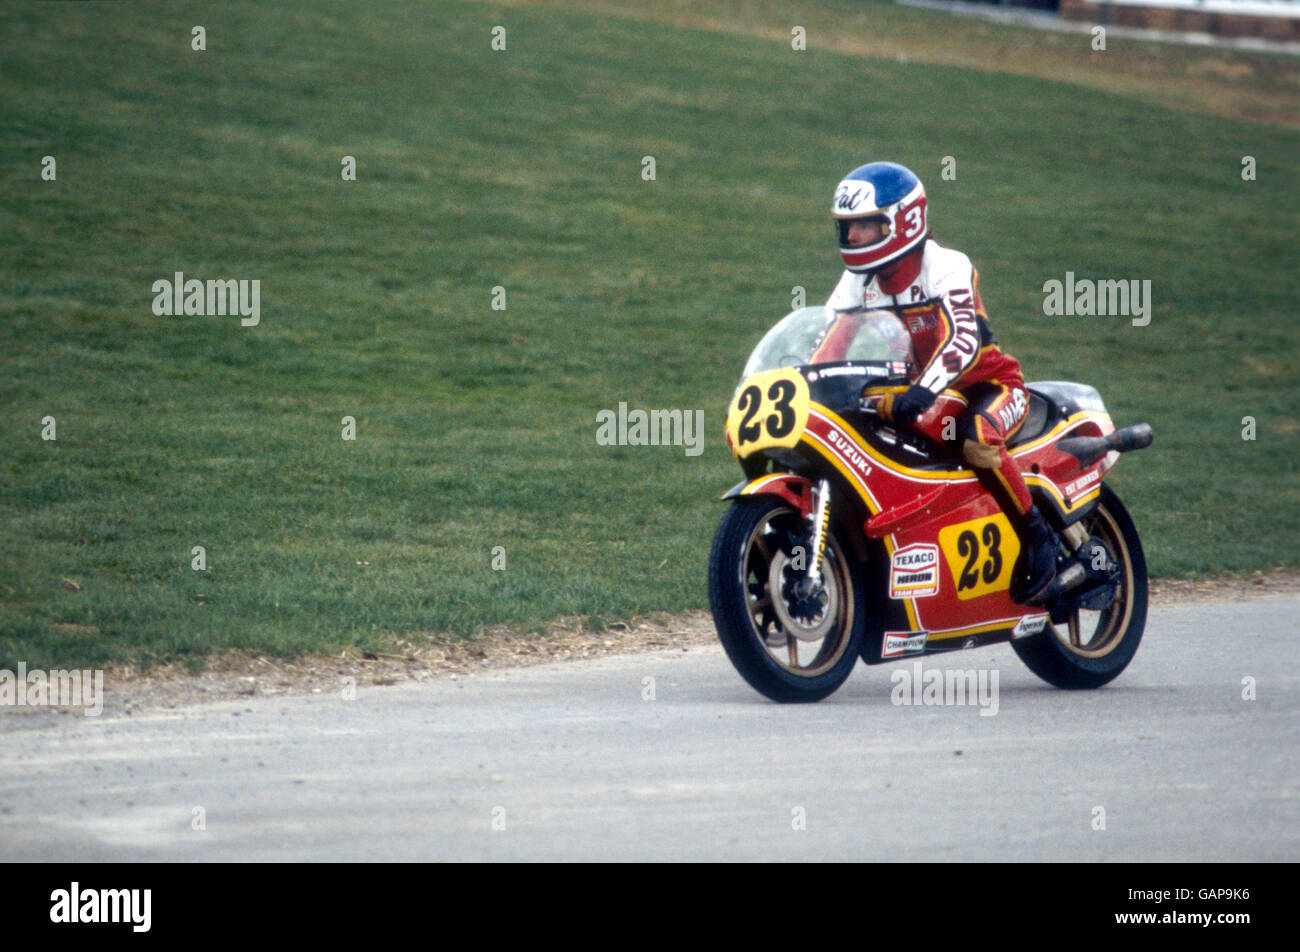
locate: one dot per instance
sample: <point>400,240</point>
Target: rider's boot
<point>1039,560</point>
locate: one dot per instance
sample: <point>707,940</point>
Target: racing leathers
<point>934,291</point>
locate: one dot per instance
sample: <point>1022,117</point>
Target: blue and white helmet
<point>890,194</point>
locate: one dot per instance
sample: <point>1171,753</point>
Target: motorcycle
<point>853,538</point>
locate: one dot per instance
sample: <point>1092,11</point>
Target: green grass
<point>476,428</point>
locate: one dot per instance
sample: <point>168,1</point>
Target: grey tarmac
<point>668,755</point>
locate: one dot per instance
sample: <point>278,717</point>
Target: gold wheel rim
<point>1113,621</point>
<point>803,658</point>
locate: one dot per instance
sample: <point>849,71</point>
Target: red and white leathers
<point>934,291</point>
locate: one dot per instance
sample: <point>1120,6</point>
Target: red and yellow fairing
<point>944,508</point>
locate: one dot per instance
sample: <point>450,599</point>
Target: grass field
<point>522,169</point>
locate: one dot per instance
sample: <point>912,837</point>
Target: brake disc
<point>792,611</point>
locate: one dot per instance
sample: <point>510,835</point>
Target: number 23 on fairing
<point>770,410</point>
<point>980,554</point>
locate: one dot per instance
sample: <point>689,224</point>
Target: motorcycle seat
<point>1042,413</point>
<point>1051,401</point>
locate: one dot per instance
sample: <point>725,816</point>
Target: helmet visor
<point>863,232</point>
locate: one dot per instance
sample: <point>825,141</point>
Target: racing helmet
<point>890,194</point>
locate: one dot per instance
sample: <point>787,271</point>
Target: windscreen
<point>831,336</point>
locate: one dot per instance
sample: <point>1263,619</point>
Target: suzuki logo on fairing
<point>850,452</point>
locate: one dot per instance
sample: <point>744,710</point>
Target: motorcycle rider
<point>893,264</point>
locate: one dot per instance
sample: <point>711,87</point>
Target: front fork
<point>820,517</point>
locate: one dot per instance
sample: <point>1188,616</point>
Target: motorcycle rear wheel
<point>1092,648</point>
<point>753,553</point>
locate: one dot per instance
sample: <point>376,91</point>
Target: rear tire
<point>783,654</point>
<point>1066,657</point>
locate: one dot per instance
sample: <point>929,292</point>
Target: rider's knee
<point>981,455</point>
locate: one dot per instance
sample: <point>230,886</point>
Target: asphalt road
<point>582,760</point>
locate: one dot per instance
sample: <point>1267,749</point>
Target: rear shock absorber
<point>1074,536</point>
<point>1085,554</point>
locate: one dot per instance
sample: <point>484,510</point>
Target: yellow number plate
<point>981,555</point>
<point>770,409</point>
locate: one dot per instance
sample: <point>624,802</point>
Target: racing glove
<point>909,404</point>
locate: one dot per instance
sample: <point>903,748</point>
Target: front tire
<point>1092,648</point>
<point>786,650</point>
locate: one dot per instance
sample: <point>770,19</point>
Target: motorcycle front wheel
<point>789,644</point>
<point>1091,648</point>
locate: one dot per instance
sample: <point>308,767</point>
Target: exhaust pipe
<point>1135,437</point>
<point>1088,449</point>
